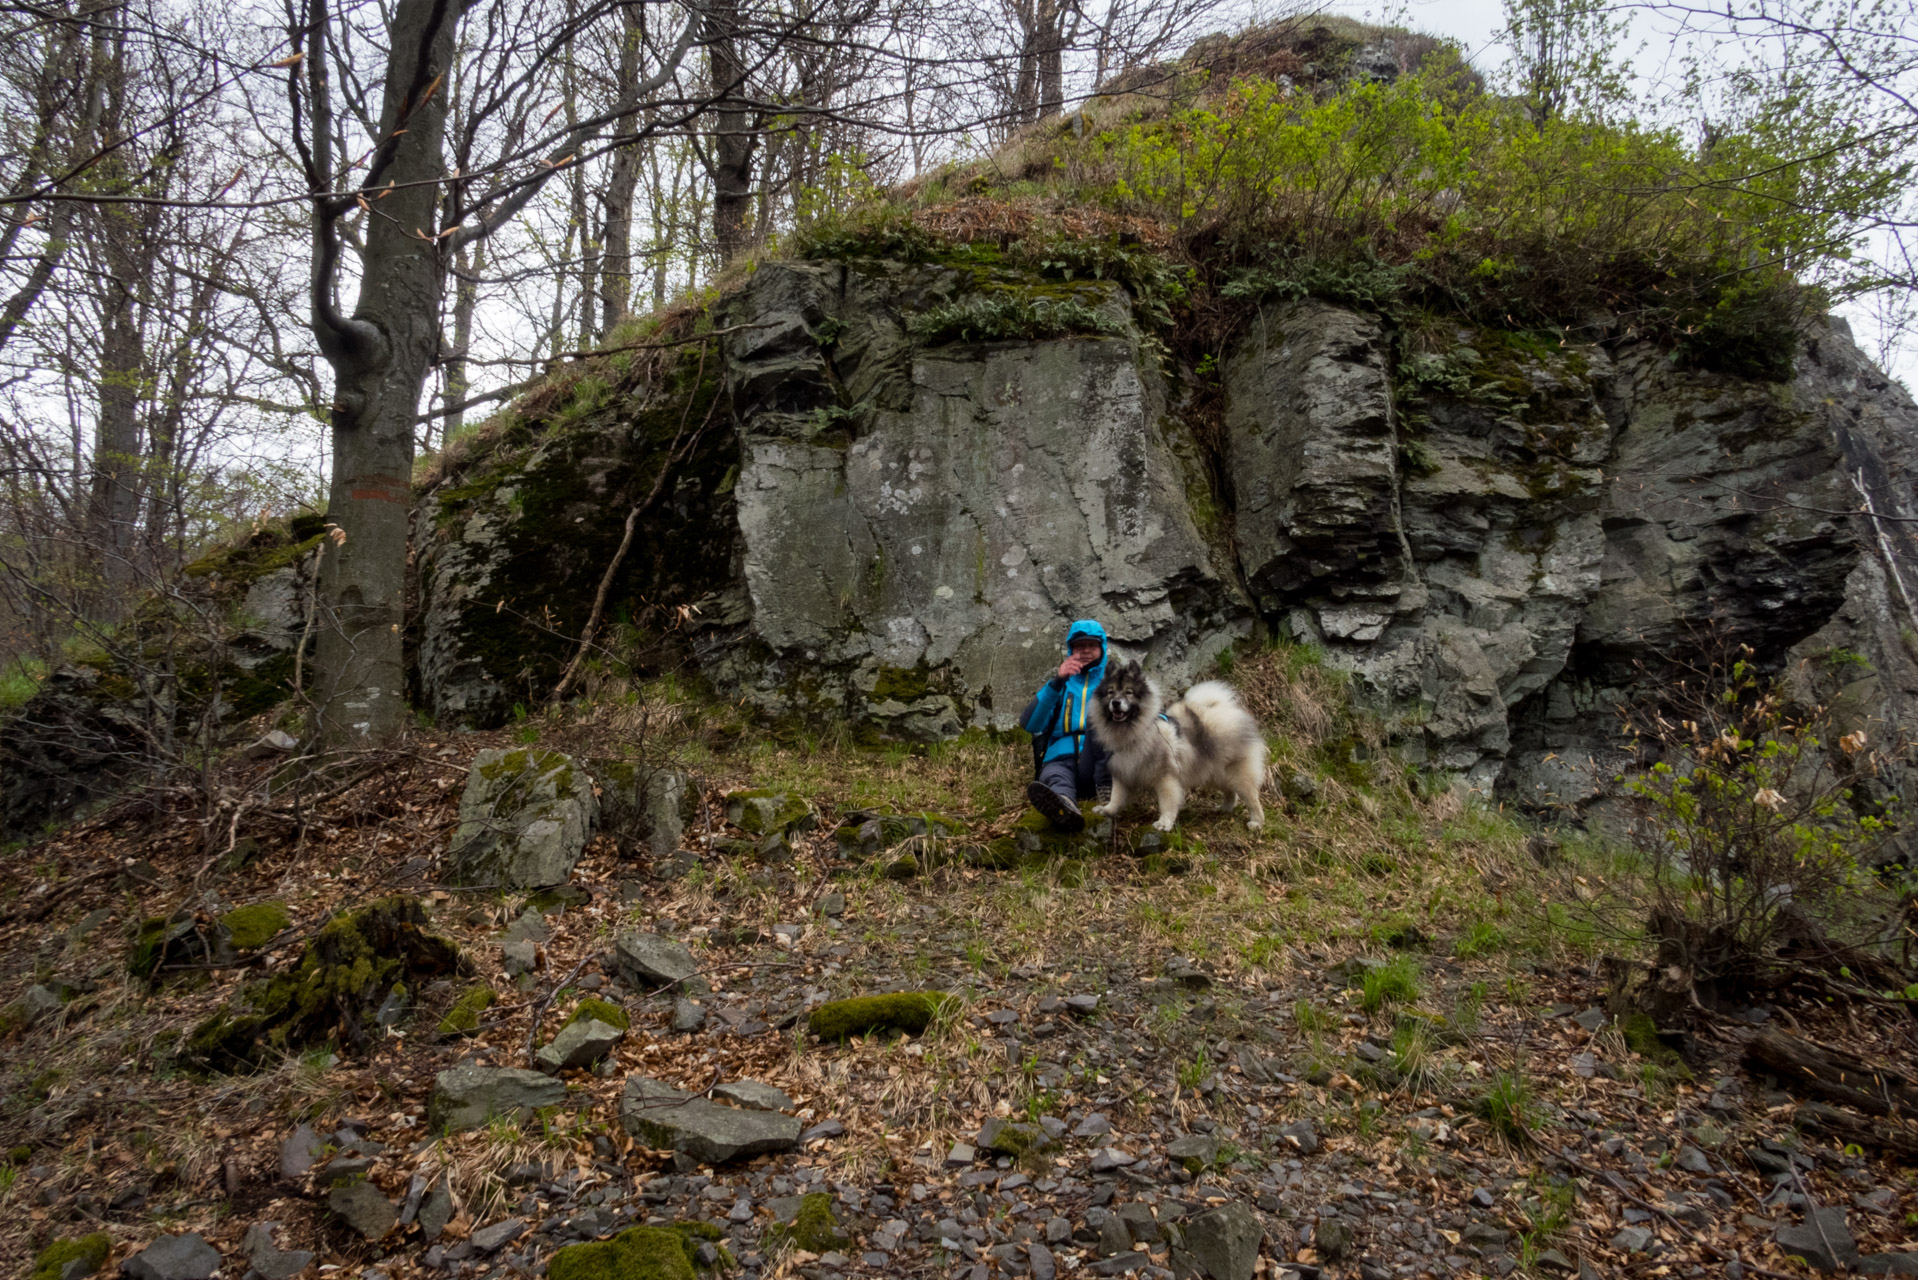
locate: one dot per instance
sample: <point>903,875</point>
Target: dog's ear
<point>1136,668</point>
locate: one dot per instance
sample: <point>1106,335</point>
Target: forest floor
<point>1379,1026</point>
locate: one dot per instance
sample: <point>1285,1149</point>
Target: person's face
<point>1085,650</point>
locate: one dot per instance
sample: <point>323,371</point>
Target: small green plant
<point>1507,1106</point>
<point>1311,1019</point>
<point>996,317</point>
<point>1482,939</point>
<point>1192,1072</point>
<point>1259,952</point>
<point>1395,982</point>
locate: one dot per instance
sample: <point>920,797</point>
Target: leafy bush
<point>1755,836</point>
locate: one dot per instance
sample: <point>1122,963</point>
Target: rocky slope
<point>1504,537</point>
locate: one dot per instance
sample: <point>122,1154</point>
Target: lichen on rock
<point>525,817</point>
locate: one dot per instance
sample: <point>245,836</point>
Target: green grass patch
<point>1395,982</point>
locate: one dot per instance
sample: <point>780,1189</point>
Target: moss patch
<point>1641,1037</point>
<point>255,926</point>
<point>92,1250</point>
<point>639,1253</point>
<point>762,812</point>
<point>908,1011</point>
<point>813,1228</point>
<point>602,1010</point>
<point>344,974</point>
<point>463,1018</point>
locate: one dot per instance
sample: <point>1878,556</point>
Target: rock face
<point>524,819</point>
<point>1503,538</point>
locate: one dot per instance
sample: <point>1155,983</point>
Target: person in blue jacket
<point>1072,767</point>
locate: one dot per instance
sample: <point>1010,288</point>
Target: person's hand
<point>1071,667</point>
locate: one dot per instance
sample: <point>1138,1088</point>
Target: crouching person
<point>1071,766</point>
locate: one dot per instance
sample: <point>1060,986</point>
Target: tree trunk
<point>469,262</point>
<point>616,270</point>
<point>380,361</point>
<point>733,139</point>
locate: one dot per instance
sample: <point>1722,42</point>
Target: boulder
<point>643,806</point>
<point>1824,1240</point>
<point>364,1208</point>
<point>648,960</point>
<point>770,813</point>
<point>468,1097</point>
<point>525,817</point>
<point>181,1257</point>
<point>664,1117</point>
<point>579,1044</point>
<point>267,1258</point>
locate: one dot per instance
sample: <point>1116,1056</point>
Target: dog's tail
<point>1209,696</point>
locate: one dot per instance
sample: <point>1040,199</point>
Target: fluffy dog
<point>1206,739</point>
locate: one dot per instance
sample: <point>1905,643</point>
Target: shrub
<point>1754,834</point>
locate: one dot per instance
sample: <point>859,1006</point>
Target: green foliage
<point>256,925</point>
<point>1395,982</point>
<point>1751,827</point>
<point>1007,315</point>
<point>1482,939</point>
<point>908,1011</point>
<point>19,681</point>
<point>91,1249</point>
<point>602,1011</point>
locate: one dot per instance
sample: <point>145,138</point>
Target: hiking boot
<point>1056,809</point>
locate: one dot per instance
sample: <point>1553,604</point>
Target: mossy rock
<point>52,1260</point>
<point>1176,843</point>
<point>1643,1037</point>
<point>1013,1138</point>
<point>163,940</point>
<point>344,974</point>
<point>638,1253</point>
<point>814,1227</point>
<point>763,812</point>
<point>249,928</point>
<point>1036,838</point>
<point>600,1010</point>
<point>865,832</point>
<point>908,1011</point>
<point>463,1019</point>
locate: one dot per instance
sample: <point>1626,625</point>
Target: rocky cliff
<point>1502,536</point>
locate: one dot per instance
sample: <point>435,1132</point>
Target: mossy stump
<point>908,1011</point>
<point>637,1253</point>
<point>343,976</point>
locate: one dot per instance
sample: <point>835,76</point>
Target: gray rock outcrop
<point>648,960</point>
<point>578,1044</point>
<point>525,817</point>
<point>1503,539</point>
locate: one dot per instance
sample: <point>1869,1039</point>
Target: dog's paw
<point>1166,824</point>
<point>1255,824</point>
<point>1103,810</point>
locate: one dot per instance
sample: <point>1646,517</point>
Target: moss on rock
<point>52,1260</point>
<point>908,1011</point>
<point>814,1227</point>
<point>251,927</point>
<point>638,1253</point>
<point>463,1018</point>
<point>343,976</point>
<point>601,1010</point>
<point>762,812</point>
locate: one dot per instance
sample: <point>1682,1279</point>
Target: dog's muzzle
<point>1119,710</point>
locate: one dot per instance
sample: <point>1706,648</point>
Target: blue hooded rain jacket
<point>1058,713</point>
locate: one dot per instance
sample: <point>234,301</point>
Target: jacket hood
<point>1087,627</point>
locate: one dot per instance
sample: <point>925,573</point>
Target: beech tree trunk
<point>380,358</point>
<point>616,270</point>
<point>733,138</point>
